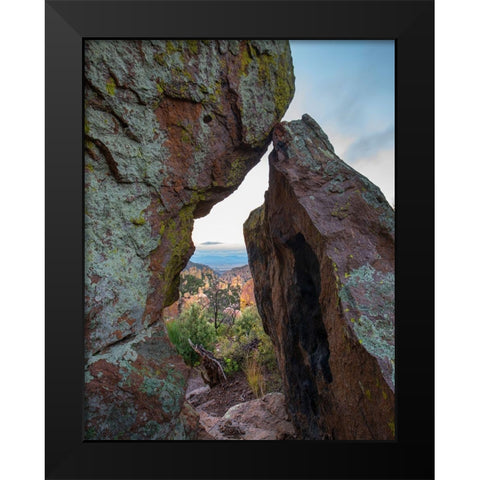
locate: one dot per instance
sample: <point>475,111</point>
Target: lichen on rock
<point>171,128</point>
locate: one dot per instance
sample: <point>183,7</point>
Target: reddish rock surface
<point>321,251</point>
<point>237,276</point>
<point>171,311</point>
<point>171,128</point>
<point>247,296</point>
<point>136,389</point>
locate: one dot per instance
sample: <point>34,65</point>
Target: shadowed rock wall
<point>321,252</point>
<point>171,128</point>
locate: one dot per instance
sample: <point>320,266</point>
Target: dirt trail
<point>217,400</point>
<point>251,419</point>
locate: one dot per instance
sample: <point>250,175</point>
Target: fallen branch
<point>213,368</point>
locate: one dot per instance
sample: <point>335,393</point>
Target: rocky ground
<point>229,411</point>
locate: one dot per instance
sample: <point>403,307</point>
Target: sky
<point>348,87</point>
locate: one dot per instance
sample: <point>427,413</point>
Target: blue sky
<point>348,87</point>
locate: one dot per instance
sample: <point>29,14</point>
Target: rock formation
<point>261,419</point>
<point>321,251</point>
<point>171,128</point>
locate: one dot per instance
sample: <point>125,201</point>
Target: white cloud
<point>379,169</point>
<point>225,221</point>
<point>297,107</point>
<point>301,104</point>
<point>341,142</point>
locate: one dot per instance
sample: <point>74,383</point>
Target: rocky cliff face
<point>171,128</point>
<point>321,251</point>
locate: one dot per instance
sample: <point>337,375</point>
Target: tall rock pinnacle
<point>321,252</point>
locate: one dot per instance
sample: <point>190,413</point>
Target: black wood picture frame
<point>410,24</point>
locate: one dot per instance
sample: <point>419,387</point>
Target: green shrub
<point>191,324</point>
<point>247,321</point>
<point>230,366</point>
<point>245,339</point>
<point>175,332</point>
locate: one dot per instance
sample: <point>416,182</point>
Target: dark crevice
<point>232,97</point>
<point>119,85</point>
<point>307,336</point>
<point>108,347</point>
<point>105,107</point>
<point>112,164</point>
<point>305,312</point>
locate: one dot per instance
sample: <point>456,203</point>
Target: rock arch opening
<point>224,222</point>
<point>216,328</point>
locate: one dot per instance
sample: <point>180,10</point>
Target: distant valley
<point>199,284</point>
<point>220,257</point>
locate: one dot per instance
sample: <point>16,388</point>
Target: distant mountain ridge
<point>200,266</point>
<point>243,272</point>
<point>220,257</point>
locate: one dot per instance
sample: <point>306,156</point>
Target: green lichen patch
<point>370,293</point>
<point>192,46</point>
<point>341,210</point>
<point>236,172</point>
<point>255,219</point>
<point>118,241</point>
<point>245,58</point>
<point>268,68</point>
<point>110,86</point>
<point>139,221</point>
<point>372,195</point>
<point>177,232</point>
<point>387,218</point>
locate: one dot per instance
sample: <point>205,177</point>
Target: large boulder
<point>262,419</point>
<point>321,251</point>
<point>171,128</point>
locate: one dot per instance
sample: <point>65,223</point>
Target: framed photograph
<point>239,239</point>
